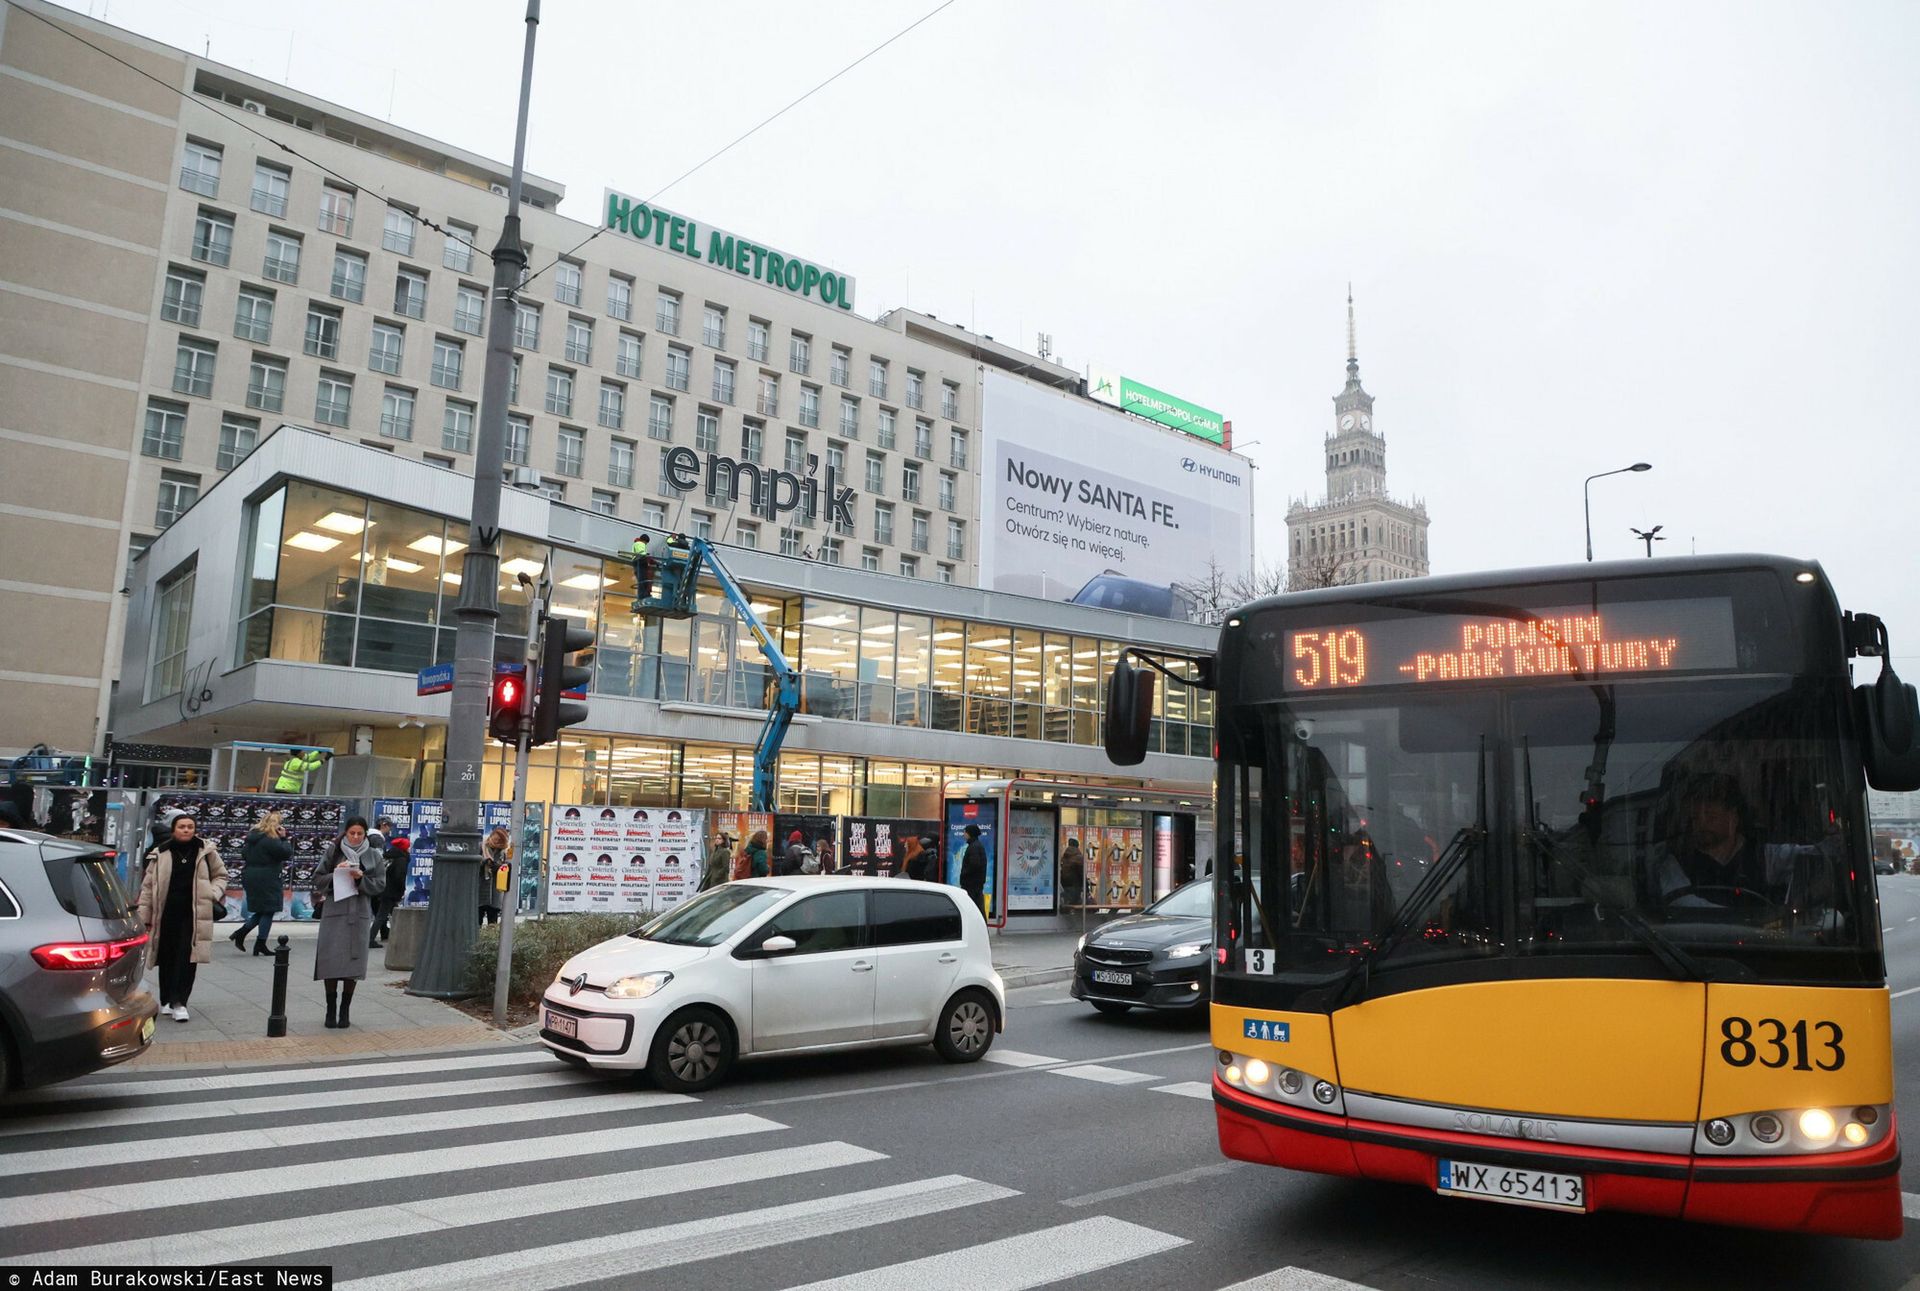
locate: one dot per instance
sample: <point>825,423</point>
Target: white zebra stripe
<point>1017,1263</point>
<point>234,1084</point>
<point>1293,1279</point>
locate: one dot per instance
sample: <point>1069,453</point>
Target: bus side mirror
<point>1129,713</point>
<point>1889,714</point>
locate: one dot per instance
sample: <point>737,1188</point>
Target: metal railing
<point>447,375</point>
<point>280,269</point>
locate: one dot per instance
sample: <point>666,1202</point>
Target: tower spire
<point>1353,349</point>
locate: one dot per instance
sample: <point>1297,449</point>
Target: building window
<point>840,368</point>
<point>666,314</point>
<point>336,211</point>
<point>809,405</point>
<point>950,401</point>
<point>870,559</point>
<point>383,351</point>
<point>800,354</point>
<point>552,492</point>
<point>948,488</point>
<point>849,416</point>
<point>166,431</point>
<point>752,442</point>
<point>706,431</point>
<point>526,326</point>
<point>253,315</point>
<point>559,392</point>
<point>410,293</point>
<point>837,459</point>
<point>626,355</point>
<point>877,378</point>
<point>613,405</point>
<point>746,535</point>
<point>713,328</point>
<point>883,523</point>
<point>916,389</point>
<point>182,297</point>
<point>457,251</point>
<point>922,438</point>
<point>876,473</point>
<point>566,283</point>
<point>456,427</point>
<point>757,341</point>
<point>172,626</point>
<point>399,231</point>
<point>920,540</point>
<point>830,549</point>
<point>270,185</point>
<point>956,540</point>
<point>267,384</point>
<point>469,310</point>
<point>665,483</point>
<point>519,440</point>
<point>910,481</point>
<point>887,433</point>
<point>579,348</point>
<point>567,460</point>
<point>238,435</point>
<point>605,503</point>
<point>910,567</point>
<point>946,573</point>
<point>703,526</point>
<point>213,238</point>
<point>200,169</point>
<point>723,380</point>
<point>283,257</point>
<point>789,541</point>
<point>193,368</point>
<point>435,459</point>
<point>679,368</point>
<point>620,463</point>
<point>796,460</point>
<point>513,381</point>
<point>333,400</point>
<point>449,362</point>
<point>653,515</point>
<point>660,418</point>
<point>620,299</point>
<point>178,491</point>
<point>349,276</point>
<point>769,402</point>
<point>957,448</point>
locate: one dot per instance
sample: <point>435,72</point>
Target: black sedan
<point>1161,958</point>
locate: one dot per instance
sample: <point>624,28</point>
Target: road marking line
<point>1909,991</point>
<point>1888,928</point>
<point>1014,1058</point>
<point>1187,1089</point>
<point>1292,1279</point>
<point>112,1199</point>
<point>1148,1185</point>
<point>1103,1075</point>
<point>276,1237</point>
<point>1016,1263</point>
<point>167,1113</point>
<point>1910,1204</point>
<point>1912,917</point>
<point>1043,1004</point>
<point>281,1136</point>
<point>623,1255</point>
<point>224,1084</point>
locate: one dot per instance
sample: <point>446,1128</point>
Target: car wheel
<point>692,1051</point>
<point>1110,1008</point>
<point>966,1028</point>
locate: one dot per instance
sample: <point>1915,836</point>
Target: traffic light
<point>503,719</point>
<point>550,712</point>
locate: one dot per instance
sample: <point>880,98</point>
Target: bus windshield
<point>1670,823</point>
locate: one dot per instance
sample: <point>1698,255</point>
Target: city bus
<point>1554,887</point>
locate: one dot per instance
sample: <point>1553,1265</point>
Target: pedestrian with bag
<point>759,866</point>
<point>340,958</point>
<point>396,856</point>
<point>263,859</point>
<point>910,865</point>
<point>973,868</point>
<point>183,879</point>
<point>496,852</point>
<point>792,858</point>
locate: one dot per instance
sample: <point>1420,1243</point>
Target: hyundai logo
<point>1188,464</point>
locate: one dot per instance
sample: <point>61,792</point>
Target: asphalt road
<point>1083,1157</point>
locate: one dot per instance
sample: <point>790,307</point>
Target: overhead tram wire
<point>933,12</point>
<point>208,104</point>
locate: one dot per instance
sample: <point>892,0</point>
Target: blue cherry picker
<point>665,588</point>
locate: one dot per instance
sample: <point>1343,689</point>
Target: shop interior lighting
<point>586,582</point>
<point>341,522</point>
<point>312,541</point>
<point>436,546</point>
<point>450,577</point>
<point>521,565</point>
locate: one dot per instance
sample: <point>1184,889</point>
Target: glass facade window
<point>572,452</point>
<point>238,435</point>
<point>469,310</point>
<point>620,298</point>
<point>560,392</point>
<point>706,431</point>
<point>449,362</point>
<point>456,427</point>
<point>723,380</point>
<point>336,211</point>
<point>399,231</point>
<point>840,370</point>
<point>166,431</point>
<point>200,169</point>
<point>333,399</point>
<point>809,406</point>
<point>178,491</point>
<point>660,417</point>
<point>349,276</point>
<point>916,389</point>
<point>410,293</point>
<point>666,314</point>
<point>193,367</point>
<point>626,357</point>
<point>172,627</point>
<point>714,329</point>
<point>679,368</point>
<point>384,350</point>
<point>579,340</point>
<point>566,283</point>
<point>396,413</point>
<point>283,257</point>
<point>323,332</point>
<point>888,431</point>
<point>800,354</point>
<point>526,326</point>
<point>620,463</point>
<point>181,299</point>
<point>457,253</point>
<point>877,378</point>
<point>519,440</point>
<point>267,384</point>
<point>613,405</point>
<point>270,185</point>
<point>213,237</point>
<point>757,341</point>
<point>253,315</point>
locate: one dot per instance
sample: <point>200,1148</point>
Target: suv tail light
<point>86,954</point>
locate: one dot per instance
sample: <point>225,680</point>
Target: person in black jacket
<point>263,859</point>
<point>973,869</point>
<point>396,856</point>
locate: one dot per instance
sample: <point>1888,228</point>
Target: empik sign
<point>770,493</point>
<point>644,222</point>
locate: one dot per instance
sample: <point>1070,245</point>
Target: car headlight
<point>638,988</point>
<point>1080,945</point>
<point>1189,949</point>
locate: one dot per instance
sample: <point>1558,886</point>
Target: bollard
<point>277,1018</point>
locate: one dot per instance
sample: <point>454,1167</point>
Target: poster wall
<point>418,821</point>
<point>877,844</point>
<point>624,860</point>
<point>1125,533</point>
<point>984,814</point>
<point>1030,885</point>
<point>732,829</point>
<point>311,824</point>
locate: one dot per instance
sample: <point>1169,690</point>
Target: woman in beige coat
<point>183,877</point>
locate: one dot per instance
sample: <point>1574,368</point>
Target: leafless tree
<point>1324,569</point>
<point>1217,592</point>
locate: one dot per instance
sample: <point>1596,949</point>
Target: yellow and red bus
<point>1555,887</point>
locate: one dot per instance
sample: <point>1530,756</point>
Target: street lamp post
<point>1649,536</point>
<point>1586,497</point>
<point>451,923</point>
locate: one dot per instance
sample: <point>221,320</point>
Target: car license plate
<point>1521,1187</point>
<point>1107,977</point>
<point>561,1024</point>
<point>146,1031</point>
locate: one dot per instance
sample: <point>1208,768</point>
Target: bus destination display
<point>1641,637</point>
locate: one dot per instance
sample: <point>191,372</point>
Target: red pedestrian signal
<point>509,693</point>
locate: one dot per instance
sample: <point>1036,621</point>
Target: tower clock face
<point>1366,422</point>
<point>1346,422</point>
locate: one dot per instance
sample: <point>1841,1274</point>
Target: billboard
<point>1142,400</point>
<point>1085,505</point>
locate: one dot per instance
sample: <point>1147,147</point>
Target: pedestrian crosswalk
<point>507,1169</point>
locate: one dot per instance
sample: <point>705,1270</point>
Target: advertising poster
<point>624,860</point>
<point>982,813</point>
<point>1122,533</point>
<point>311,824</point>
<point>418,821</point>
<point>877,844</point>
<point>1121,863</point>
<point>732,829</point>
<point>816,832</point>
<point>1030,860</point>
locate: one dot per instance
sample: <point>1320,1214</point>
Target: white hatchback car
<point>780,966</point>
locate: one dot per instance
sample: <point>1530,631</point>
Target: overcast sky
<point>1578,235</point>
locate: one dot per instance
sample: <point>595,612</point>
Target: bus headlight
<point>1817,1126</point>
<point>1257,1071</point>
<point>1719,1132</point>
<point>1292,1082</point>
<point>1767,1127</point>
<point>1796,1130</point>
<point>1855,1134</point>
<point>1324,1092</point>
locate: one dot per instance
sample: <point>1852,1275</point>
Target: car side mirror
<point>1129,713</point>
<point>778,944</point>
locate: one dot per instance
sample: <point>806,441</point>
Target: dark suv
<point>72,954</point>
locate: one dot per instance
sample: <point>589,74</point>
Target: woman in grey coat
<point>340,959</point>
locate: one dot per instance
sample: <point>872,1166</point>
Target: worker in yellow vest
<point>643,566</point>
<point>293,776</point>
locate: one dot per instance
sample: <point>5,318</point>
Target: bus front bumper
<point>1847,1194</point>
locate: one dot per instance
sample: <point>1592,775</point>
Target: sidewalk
<point>1031,958</point>
<point>233,996</point>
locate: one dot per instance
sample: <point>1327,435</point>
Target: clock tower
<point>1356,456</point>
